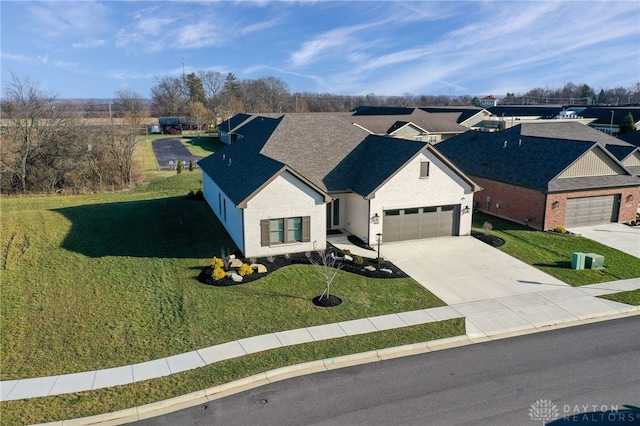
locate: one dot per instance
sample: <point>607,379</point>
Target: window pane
<point>276,227</point>
<point>294,231</point>
<point>411,211</point>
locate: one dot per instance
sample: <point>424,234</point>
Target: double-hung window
<point>285,230</point>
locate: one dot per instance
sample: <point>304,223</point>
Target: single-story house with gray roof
<point>288,181</point>
<point>547,175</point>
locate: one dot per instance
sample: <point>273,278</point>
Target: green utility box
<point>593,261</point>
<point>577,260</point>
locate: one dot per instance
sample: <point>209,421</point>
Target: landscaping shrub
<point>560,230</point>
<point>358,260</point>
<point>245,270</point>
<point>346,252</point>
<point>486,228</point>
<point>190,165</point>
<point>218,273</point>
<point>217,263</point>
<point>179,167</point>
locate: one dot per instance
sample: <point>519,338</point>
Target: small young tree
<point>327,266</point>
<point>179,167</point>
<point>190,165</point>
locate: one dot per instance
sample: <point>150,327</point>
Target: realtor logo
<point>543,411</point>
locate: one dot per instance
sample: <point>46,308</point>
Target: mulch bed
<point>492,240</point>
<point>281,261</point>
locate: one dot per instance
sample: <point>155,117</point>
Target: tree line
<point>51,145</point>
<point>47,146</point>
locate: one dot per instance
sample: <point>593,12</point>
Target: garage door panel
<point>417,223</point>
<point>591,210</point>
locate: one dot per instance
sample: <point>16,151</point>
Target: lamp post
<point>379,240</point>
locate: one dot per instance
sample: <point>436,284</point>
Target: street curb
<point>202,397</point>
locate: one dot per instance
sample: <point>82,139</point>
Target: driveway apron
<point>464,269</point>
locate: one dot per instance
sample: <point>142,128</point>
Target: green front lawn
<point>552,253</point>
<point>98,281</point>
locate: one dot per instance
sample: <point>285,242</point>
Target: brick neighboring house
<point>547,175</point>
<point>285,182</point>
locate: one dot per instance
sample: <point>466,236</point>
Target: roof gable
<point>595,162</point>
<point>513,157</point>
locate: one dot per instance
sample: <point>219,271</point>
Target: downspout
<point>369,222</point>
<point>544,211</point>
<point>244,234</point>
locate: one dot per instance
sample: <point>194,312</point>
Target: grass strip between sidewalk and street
<point>83,404</point>
<point>631,297</point>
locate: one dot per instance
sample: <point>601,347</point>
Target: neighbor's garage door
<point>591,210</point>
<point>423,222</point>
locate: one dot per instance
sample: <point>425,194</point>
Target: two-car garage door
<point>591,210</point>
<point>422,222</point>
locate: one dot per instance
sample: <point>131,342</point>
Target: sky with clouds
<point>91,49</point>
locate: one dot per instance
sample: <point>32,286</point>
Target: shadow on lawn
<point>167,228</point>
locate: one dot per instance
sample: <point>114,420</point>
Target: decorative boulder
<point>236,278</point>
<point>388,271</point>
<point>370,268</point>
<point>235,263</point>
<point>348,258</point>
<point>260,268</point>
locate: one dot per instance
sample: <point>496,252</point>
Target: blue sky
<point>91,49</point>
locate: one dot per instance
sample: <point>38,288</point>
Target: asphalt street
<point>582,375</point>
<point>169,151</point>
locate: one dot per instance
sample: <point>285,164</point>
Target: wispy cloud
<point>55,19</point>
<point>89,44</point>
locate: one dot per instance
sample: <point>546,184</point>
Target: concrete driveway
<point>617,235</point>
<point>464,269</point>
<point>496,293</point>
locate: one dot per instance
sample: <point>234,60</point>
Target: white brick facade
<point>406,190</point>
<point>286,196</point>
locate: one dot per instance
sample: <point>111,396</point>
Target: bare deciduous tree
<point>327,266</point>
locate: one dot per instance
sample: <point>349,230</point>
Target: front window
<point>276,230</point>
<point>294,229</point>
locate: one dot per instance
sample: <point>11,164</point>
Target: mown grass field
<point>552,253</point>
<point>104,280</point>
<point>631,297</point>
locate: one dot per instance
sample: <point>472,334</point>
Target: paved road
<point>588,369</point>
<point>171,150</point>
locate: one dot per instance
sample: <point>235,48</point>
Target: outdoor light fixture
<point>629,198</point>
<point>555,204</point>
<point>376,218</point>
<point>466,209</point>
<point>379,240</point>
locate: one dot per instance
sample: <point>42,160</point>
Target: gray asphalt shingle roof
<point>327,151</point>
<point>522,156</point>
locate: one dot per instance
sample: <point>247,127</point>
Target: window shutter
<point>306,229</point>
<point>264,232</point>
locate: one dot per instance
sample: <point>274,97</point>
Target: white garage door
<point>422,222</point>
<point>591,210</point>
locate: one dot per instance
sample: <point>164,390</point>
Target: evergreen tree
<point>628,125</point>
<point>179,167</point>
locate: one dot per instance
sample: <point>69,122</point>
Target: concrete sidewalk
<point>497,294</point>
<point>485,319</point>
